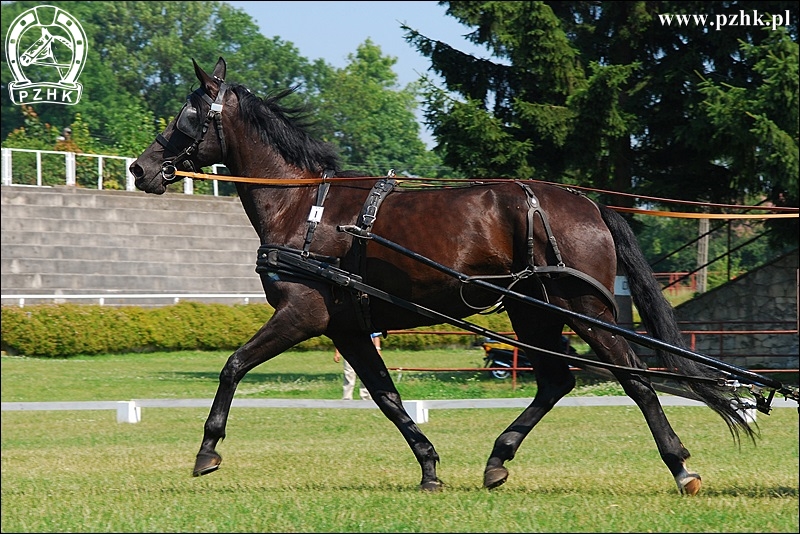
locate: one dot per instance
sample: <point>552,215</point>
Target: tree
<point>603,94</point>
<point>139,64</point>
<point>756,128</point>
<point>371,120</point>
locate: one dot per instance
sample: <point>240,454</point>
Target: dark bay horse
<point>499,231</point>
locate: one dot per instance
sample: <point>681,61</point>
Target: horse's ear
<point>210,83</point>
<point>220,69</point>
<point>200,73</point>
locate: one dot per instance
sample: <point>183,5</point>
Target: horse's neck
<point>278,213</point>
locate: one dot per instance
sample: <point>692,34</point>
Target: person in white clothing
<point>350,377</point>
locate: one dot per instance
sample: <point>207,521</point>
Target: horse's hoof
<point>432,486</point>
<point>688,483</point>
<point>206,462</point>
<point>494,476</point>
<point>692,487</point>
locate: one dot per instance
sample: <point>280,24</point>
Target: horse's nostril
<point>136,170</point>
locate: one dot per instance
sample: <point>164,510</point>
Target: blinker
<point>188,121</point>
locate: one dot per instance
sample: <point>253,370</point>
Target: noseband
<point>183,157</point>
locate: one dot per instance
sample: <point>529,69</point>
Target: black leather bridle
<point>188,124</point>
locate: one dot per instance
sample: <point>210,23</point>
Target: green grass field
<point>305,470</point>
<point>309,375</point>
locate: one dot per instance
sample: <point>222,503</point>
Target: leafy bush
<point>64,330</point>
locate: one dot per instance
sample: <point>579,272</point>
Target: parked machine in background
<point>501,355</point>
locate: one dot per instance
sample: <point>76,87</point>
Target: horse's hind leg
<point>553,379</point>
<point>615,349</point>
<point>286,328</point>
<point>368,364</point>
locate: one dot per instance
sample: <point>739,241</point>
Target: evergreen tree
<point>603,94</point>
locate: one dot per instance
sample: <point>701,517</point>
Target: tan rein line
<point>269,181</point>
<point>312,181</point>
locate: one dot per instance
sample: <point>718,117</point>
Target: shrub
<point>64,330</point>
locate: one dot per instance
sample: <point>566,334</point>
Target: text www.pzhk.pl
<point>720,21</point>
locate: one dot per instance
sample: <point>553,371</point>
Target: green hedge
<point>64,330</point>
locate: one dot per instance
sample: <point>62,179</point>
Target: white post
<point>188,186</point>
<point>6,166</point>
<point>100,173</point>
<point>129,179</point>
<point>128,412</point>
<point>39,168</point>
<point>69,158</point>
<point>702,254</point>
<point>417,410</point>
<point>622,295</point>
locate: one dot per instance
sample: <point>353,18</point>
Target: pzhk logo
<point>49,44</point>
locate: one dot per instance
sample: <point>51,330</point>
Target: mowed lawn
<point>587,469</point>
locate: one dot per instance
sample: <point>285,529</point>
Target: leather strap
<point>315,215</point>
<point>366,219</point>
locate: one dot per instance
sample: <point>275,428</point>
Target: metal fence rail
<point>107,172</point>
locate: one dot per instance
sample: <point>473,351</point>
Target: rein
<point>787,211</point>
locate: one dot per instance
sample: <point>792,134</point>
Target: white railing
<point>70,169</point>
<point>101,298</point>
<point>131,411</point>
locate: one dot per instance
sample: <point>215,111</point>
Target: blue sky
<point>331,30</point>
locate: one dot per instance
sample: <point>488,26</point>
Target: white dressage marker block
<point>128,412</point>
<point>417,410</point>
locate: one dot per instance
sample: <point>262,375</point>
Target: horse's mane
<point>286,129</point>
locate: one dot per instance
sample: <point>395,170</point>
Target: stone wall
<point>764,299</point>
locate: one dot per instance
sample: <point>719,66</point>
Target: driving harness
<point>281,263</point>
<point>188,123</point>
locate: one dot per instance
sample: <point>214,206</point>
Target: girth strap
<point>365,221</point>
<point>267,254</point>
<point>315,215</point>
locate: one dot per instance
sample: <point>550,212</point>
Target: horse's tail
<point>659,320</point>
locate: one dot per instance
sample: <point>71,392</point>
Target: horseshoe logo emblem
<point>43,44</point>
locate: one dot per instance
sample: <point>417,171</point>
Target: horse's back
<point>483,230</point>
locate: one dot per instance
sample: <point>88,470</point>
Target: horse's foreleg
<point>615,349</point>
<point>372,371</point>
<point>554,380</point>
<point>279,334</point>
<point>390,403</point>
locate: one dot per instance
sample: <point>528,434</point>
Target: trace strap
<point>290,261</point>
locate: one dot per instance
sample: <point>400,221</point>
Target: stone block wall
<point>764,299</point>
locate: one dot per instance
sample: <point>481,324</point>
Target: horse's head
<point>189,142</point>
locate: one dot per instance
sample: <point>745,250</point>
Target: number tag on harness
<point>315,215</point>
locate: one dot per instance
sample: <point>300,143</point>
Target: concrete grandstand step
<point>153,242</point>
<point>105,215</point>
<point>90,198</point>
<point>132,268</point>
<point>99,282</point>
<point>156,254</point>
<point>134,226</point>
<point>67,240</point>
